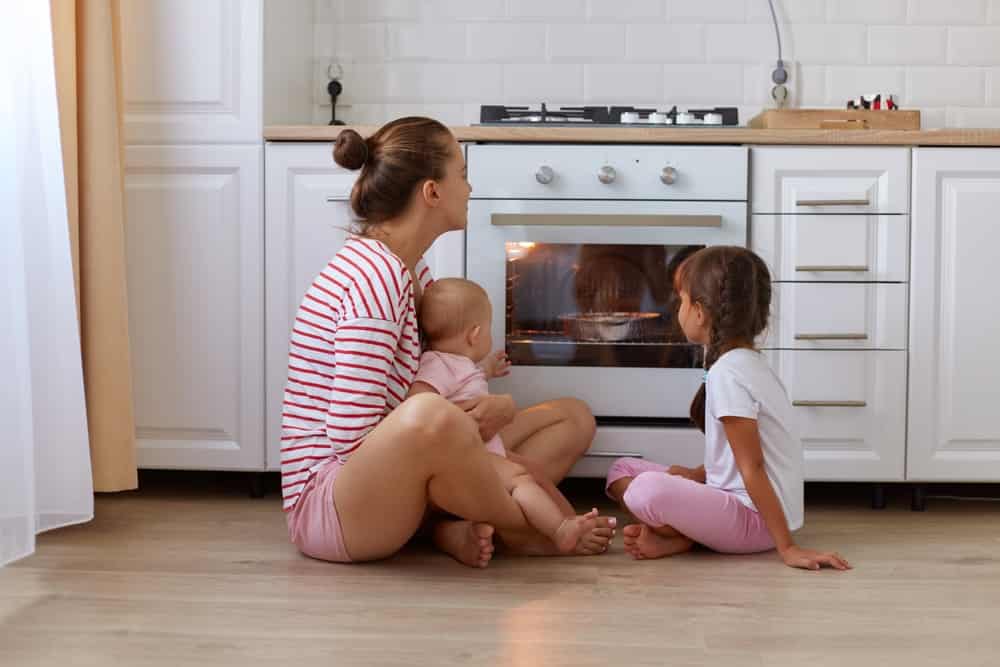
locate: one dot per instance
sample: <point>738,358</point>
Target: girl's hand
<point>491,411</point>
<point>809,559</point>
<point>694,474</point>
<point>496,365</point>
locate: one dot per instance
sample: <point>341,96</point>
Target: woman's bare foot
<point>642,543</point>
<point>467,542</point>
<point>598,539</point>
<point>573,529</point>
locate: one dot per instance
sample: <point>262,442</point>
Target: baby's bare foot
<point>573,529</point>
<point>467,542</point>
<point>642,543</point>
<point>598,539</point>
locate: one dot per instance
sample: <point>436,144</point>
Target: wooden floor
<point>205,576</point>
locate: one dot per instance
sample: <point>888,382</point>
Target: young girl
<point>747,497</point>
<point>456,316</point>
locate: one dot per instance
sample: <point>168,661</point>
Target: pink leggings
<point>705,514</point>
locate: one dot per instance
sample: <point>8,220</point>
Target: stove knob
<point>606,174</point>
<point>668,175</point>
<point>544,175</point>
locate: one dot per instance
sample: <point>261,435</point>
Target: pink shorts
<point>313,524</point>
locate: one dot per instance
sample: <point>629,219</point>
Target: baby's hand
<point>496,365</point>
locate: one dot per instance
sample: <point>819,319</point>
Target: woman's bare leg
<point>554,435</point>
<point>426,451</point>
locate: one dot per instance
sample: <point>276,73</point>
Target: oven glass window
<point>595,305</point>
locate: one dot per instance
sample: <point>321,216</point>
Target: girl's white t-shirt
<point>742,384</point>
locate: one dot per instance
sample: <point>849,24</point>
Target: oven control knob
<point>668,175</point>
<point>544,175</point>
<point>607,174</point>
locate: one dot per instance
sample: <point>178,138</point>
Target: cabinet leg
<point>256,480</point>
<point>878,496</point>
<point>919,501</point>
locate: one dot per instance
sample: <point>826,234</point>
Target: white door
<point>191,71</point>
<point>308,217</point>
<point>308,213</point>
<point>194,245</point>
<point>954,433</point>
<point>850,407</point>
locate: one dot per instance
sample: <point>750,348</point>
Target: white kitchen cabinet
<point>954,433</point>
<point>191,71</point>
<point>835,248</point>
<point>851,411</point>
<point>838,316</point>
<point>832,224</point>
<point>829,179</point>
<point>195,254</point>
<point>309,216</point>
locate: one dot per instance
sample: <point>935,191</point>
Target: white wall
<point>446,57</point>
<point>288,61</point>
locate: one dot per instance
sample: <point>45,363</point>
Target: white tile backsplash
<point>586,42</point>
<point>494,42</point>
<point>625,10</point>
<point>866,11</point>
<point>628,84</point>
<point>665,43</point>
<point>946,86</point>
<point>974,46</point>
<point>947,11</point>
<point>427,41</point>
<point>907,45</point>
<point>539,83</point>
<point>446,57</point>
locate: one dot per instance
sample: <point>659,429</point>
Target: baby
<point>456,317</point>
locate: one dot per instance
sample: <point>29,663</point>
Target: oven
<point>577,245</point>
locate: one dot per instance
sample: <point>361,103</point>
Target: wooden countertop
<point>636,135</point>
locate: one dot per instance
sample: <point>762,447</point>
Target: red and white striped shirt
<point>353,354</point>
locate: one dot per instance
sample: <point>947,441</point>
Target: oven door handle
<point>615,455</point>
<point>603,220</point>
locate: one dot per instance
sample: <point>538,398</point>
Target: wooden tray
<point>833,119</point>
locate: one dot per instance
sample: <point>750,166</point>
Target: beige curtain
<point>87,46</point>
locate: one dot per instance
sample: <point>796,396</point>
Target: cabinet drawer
<point>851,411</point>
<point>830,180</point>
<point>838,316</point>
<point>838,248</point>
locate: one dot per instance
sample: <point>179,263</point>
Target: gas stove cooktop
<point>614,116</point>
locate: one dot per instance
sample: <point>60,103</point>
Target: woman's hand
<point>694,474</point>
<point>491,411</point>
<point>496,365</point>
<point>809,559</point>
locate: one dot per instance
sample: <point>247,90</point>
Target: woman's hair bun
<point>350,150</point>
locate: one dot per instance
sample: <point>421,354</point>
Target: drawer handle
<point>615,455</point>
<point>332,200</point>
<point>832,202</point>
<point>831,336</point>
<point>830,404</point>
<point>842,268</point>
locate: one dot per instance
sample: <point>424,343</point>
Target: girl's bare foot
<point>642,543</point>
<point>598,539</point>
<point>573,529</point>
<point>467,542</point>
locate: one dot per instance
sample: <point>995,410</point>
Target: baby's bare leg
<point>541,510</point>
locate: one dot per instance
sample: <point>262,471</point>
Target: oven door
<point>583,298</point>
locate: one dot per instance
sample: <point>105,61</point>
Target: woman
<point>360,467</point>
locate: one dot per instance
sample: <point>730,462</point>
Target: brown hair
<point>393,162</point>
<point>733,285</point>
<point>450,306</point>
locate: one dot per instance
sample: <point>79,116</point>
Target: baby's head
<point>456,317</point>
